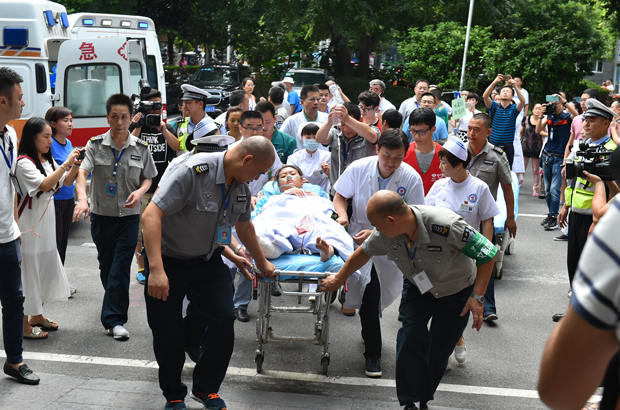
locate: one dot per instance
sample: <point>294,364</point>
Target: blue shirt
<point>441,131</point>
<point>503,124</point>
<point>293,100</point>
<point>561,133</point>
<point>60,153</point>
<point>383,183</point>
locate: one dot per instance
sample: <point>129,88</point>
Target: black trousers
<point>64,217</point>
<point>369,316</point>
<point>578,227</point>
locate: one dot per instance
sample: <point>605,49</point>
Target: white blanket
<point>282,213</point>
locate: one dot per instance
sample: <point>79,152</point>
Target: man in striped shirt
<point>504,114</point>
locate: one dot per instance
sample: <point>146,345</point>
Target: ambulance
<point>60,66</point>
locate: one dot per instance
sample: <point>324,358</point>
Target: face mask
<point>311,145</point>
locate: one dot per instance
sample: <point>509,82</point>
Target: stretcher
<point>504,243</point>
<point>295,270</point>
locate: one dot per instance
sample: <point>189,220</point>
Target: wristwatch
<point>479,298</point>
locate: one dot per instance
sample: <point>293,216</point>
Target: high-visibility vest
<point>182,134</point>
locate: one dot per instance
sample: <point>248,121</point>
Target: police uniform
<point>192,199</point>
<point>445,254</point>
<point>114,227</point>
<point>491,166</point>
<point>579,193</point>
<point>185,126</point>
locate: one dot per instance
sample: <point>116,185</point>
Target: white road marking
<point>88,245</point>
<point>273,374</point>
<point>531,215</point>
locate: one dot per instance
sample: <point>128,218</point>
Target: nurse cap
<point>456,148</point>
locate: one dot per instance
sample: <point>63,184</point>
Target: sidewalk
<point>58,392</point>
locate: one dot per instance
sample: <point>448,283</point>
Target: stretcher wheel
<point>510,248</point>
<point>325,364</point>
<point>259,362</point>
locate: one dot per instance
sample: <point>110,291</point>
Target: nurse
<point>314,162</point>
<point>381,282</point>
<point>465,195</point>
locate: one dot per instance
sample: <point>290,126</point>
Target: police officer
<point>186,226</point>
<point>194,100</point>
<point>579,192</point>
<point>438,253</point>
<point>490,164</point>
<point>122,168</point>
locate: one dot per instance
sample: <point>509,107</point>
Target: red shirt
<point>433,174</point>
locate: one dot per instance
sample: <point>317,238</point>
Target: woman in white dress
<point>464,194</point>
<point>43,276</point>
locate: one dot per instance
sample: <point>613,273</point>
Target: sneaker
<point>175,405</point>
<point>562,238</point>
<point>490,317</point>
<point>449,365</point>
<point>460,353</point>
<point>373,367</point>
<point>141,278</point>
<point>552,224</point>
<point>119,332</point>
<point>546,220</point>
<point>210,401</point>
<point>72,291</point>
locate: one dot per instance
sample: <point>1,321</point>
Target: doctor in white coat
<point>381,282</point>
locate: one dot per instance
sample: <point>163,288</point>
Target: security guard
<point>490,164</point>
<point>122,168</point>
<point>438,253</point>
<point>579,192</point>
<point>186,226</point>
<point>195,100</point>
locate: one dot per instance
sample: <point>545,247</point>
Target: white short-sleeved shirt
<point>471,199</point>
<point>9,229</point>
<point>385,105</point>
<point>310,164</point>
<point>292,123</point>
<point>596,286</point>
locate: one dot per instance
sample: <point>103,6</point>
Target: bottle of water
<point>333,89</point>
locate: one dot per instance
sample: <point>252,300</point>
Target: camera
<point>596,160</point>
<point>549,109</point>
<point>141,106</point>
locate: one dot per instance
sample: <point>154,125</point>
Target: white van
<point>36,42</point>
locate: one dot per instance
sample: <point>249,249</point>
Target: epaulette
<point>181,121</point>
<point>139,141</point>
<point>497,149</point>
<point>202,168</point>
<point>97,138</point>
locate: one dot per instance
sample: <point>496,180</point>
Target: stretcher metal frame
<point>319,308</point>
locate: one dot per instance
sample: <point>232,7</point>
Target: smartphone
<point>551,98</point>
<point>505,77</point>
<point>82,154</point>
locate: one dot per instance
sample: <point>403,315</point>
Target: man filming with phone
<point>504,113</point>
<point>163,144</point>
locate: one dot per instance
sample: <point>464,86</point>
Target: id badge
<point>551,135</point>
<point>18,188</point>
<point>110,189</point>
<point>317,172</point>
<point>467,208</point>
<point>224,232</point>
<point>422,282</point>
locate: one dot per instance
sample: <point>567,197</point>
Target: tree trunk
<point>342,65</point>
<point>363,67</point>
<point>170,49</point>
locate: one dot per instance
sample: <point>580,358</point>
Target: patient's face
<point>289,177</point>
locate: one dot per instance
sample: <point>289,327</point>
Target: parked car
<point>173,90</point>
<point>306,76</point>
<point>219,80</point>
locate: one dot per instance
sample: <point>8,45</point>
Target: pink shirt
<point>576,127</point>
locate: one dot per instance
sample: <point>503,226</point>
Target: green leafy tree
<point>436,54</point>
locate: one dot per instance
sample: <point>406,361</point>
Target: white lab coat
<point>360,181</point>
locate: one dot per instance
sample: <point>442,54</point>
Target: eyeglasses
<point>364,109</point>
<point>313,99</point>
<point>252,129</point>
<point>419,132</point>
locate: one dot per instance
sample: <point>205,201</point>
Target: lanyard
<point>345,151</point>
<point>224,199</point>
<point>412,257</point>
<point>9,163</point>
<point>473,163</point>
<point>117,160</point>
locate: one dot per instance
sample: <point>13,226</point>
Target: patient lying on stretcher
<point>296,217</point>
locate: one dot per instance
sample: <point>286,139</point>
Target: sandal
<point>47,325</point>
<point>36,333</point>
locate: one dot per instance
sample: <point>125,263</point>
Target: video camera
<point>550,109</point>
<point>598,162</point>
<point>150,120</point>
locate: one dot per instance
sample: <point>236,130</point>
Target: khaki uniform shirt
<point>447,250</point>
<point>191,197</point>
<point>490,165</point>
<point>135,166</point>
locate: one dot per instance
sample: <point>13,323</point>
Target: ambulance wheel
<point>259,362</point>
<point>325,364</point>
